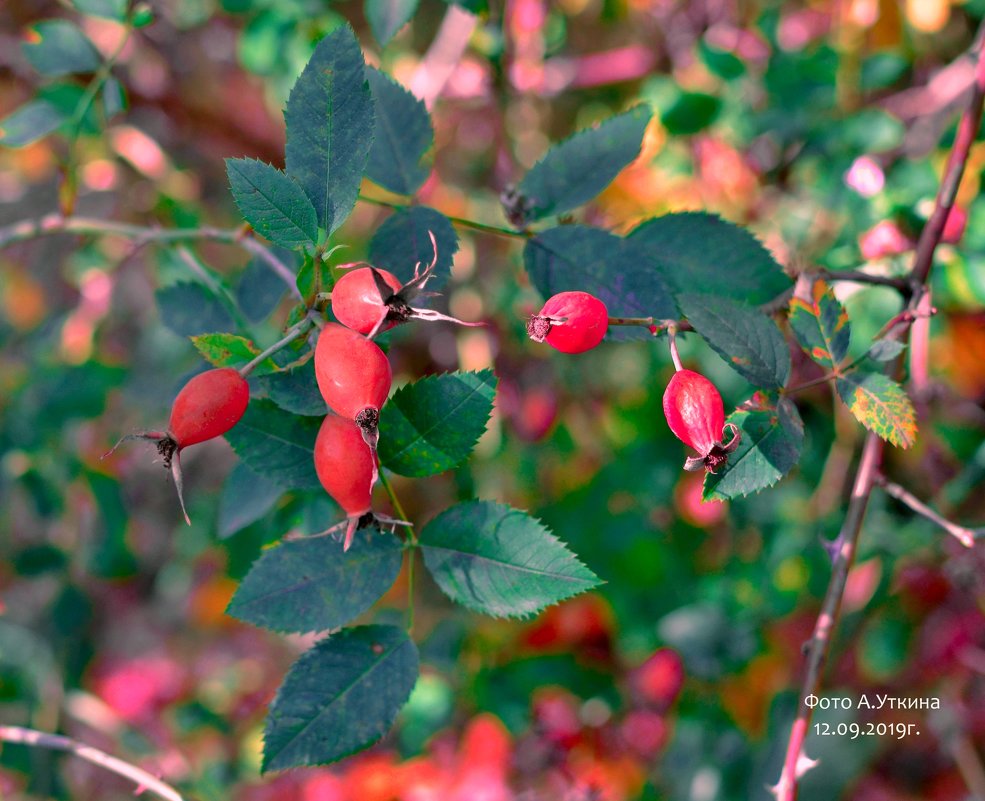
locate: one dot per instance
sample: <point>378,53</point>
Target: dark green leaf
<point>189,309</point>
<point>615,270</point>
<point>340,697</point>
<point>402,241</point>
<point>577,169</point>
<point>108,9</point>
<point>58,47</point>
<point>230,350</point>
<point>386,17</point>
<point>821,326</point>
<point>432,425</point>
<point>273,203</point>
<point>881,405</point>
<point>310,584</point>
<point>29,123</point>
<point>260,289</point>
<point>500,561</point>
<point>699,252</point>
<point>725,64</point>
<point>401,157</point>
<point>690,113</point>
<point>296,390</point>
<point>329,119</point>
<point>277,444</point>
<point>472,6</point>
<point>743,336</point>
<point>246,497</point>
<point>109,556</point>
<point>885,350</point>
<point>769,449</point>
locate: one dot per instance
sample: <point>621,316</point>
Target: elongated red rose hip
<point>357,302</point>
<point>695,413</point>
<point>207,406</point>
<point>571,322</point>
<point>346,469</point>
<point>353,375</point>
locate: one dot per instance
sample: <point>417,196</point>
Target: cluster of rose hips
<point>353,376</point>
<point>573,322</point>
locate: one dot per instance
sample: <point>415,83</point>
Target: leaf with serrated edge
<point>311,584</point>
<point>821,325</point>
<point>230,350</point>
<point>695,249</point>
<point>748,340</point>
<point>403,240</point>
<point>273,203</point>
<point>881,405</point>
<point>500,561</point>
<point>433,424</point>
<point>615,270</point>
<point>340,697</point>
<point>277,444</point>
<point>574,171</point>
<point>769,449</point>
<point>329,117</point>
<point>401,157</point>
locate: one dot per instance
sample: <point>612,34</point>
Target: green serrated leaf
<point>770,447</point>
<point>107,9</point>
<point>576,170</point>
<point>402,154</point>
<point>432,425</point>
<point>386,17</point>
<point>311,584</point>
<point>339,697</point>
<point>821,325</point>
<point>885,350</point>
<point>743,336</point>
<point>29,123</point>
<point>246,497</point>
<point>698,251</point>
<point>329,117</point>
<point>402,242</point>
<point>615,270</point>
<point>277,444</point>
<point>296,390</point>
<point>59,47</point>
<point>881,405</point>
<point>190,309</point>
<point>273,203</point>
<point>230,350</point>
<point>500,561</point>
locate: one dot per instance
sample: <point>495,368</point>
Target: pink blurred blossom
<point>957,221</point>
<point>882,240</point>
<point>865,176</point>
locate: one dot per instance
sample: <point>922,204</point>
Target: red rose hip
<point>353,375</point>
<point>346,469</point>
<point>571,322</point>
<point>357,302</point>
<point>695,413</point>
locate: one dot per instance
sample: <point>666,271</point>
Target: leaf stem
<point>966,536</point>
<point>459,221</point>
<point>56,224</point>
<point>411,541</point>
<point>55,742</point>
<point>293,333</point>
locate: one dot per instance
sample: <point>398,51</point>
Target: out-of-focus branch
<point>444,54</point>
<point>966,536</point>
<point>56,742</point>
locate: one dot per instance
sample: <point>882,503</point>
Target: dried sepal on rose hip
<point>695,413</point>
<point>369,300</point>
<point>354,377</point>
<point>207,406</point>
<point>571,322</point>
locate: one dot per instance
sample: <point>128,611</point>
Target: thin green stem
<point>293,333</point>
<point>459,221</point>
<point>215,286</point>
<point>51,224</point>
<point>411,549</point>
